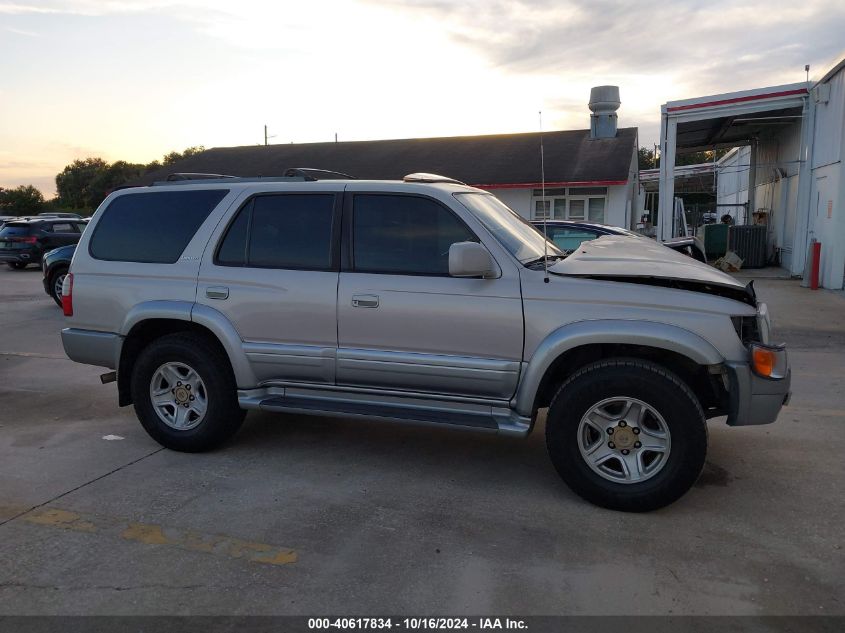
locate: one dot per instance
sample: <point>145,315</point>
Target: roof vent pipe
<point>604,102</point>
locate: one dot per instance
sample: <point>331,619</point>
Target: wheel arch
<point>572,346</point>
<point>149,321</point>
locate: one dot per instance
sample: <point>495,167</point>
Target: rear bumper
<point>21,257</point>
<point>755,400</point>
<point>92,347</point>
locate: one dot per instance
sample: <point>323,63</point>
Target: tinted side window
<point>64,227</point>
<point>232,251</point>
<point>404,234</point>
<point>281,231</point>
<point>153,227</point>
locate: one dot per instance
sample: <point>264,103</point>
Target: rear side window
<point>404,234</point>
<point>64,227</point>
<point>292,231</point>
<point>151,227</point>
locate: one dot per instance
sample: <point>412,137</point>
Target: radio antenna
<point>546,209</point>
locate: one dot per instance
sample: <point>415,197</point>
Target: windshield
<point>516,234</point>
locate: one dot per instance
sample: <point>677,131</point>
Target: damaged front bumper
<point>754,399</point>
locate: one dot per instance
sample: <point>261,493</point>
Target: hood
<point>619,258</point>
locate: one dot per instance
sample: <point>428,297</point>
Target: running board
<point>397,409</point>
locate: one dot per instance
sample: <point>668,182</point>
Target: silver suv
<point>425,301</point>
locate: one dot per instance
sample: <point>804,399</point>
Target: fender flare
<point>203,315</point>
<point>622,331</point>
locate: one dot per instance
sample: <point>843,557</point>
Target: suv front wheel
<point>185,394</point>
<point>627,434</point>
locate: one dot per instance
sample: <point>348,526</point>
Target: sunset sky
<point>135,79</point>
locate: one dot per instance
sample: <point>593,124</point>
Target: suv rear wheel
<point>185,394</point>
<point>627,434</point>
<point>17,265</point>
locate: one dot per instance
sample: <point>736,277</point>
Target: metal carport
<point>731,120</point>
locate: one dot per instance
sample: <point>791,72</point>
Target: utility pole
<point>266,136</point>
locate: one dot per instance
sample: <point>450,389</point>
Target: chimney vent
<point>604,102</point>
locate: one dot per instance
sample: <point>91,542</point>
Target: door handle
<point>217,292</point>
<point>364,301</point>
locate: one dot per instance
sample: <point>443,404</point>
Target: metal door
<point>281,297</point>
<point>422,330</point>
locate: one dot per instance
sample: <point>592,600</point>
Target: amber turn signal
<point>768,361</point>
<point>764,361</point>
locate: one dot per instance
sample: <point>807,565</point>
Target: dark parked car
<point>24,242</point>
<point>568,235</point>
<point>55,265</point>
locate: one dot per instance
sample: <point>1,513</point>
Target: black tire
<point>54,277</point>
<point>17,265</point>
<point>223,417</point>
<point>658,388</point>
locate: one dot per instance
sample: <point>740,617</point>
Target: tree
<point>172,157</point>
<point>85,183</point>
<point>647,160</point>
<point>74,182</point>
<point>109,179</point>
<point>23,200</point>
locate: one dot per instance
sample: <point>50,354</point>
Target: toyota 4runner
<point>423,300</point>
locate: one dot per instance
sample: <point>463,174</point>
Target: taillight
<point>25,240</point>
<point>67,295</point>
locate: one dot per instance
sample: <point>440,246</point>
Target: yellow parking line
<point>157,535</point>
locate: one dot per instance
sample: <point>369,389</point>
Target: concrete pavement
<point>320,515</point>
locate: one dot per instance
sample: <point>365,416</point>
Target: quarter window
<point>291,231</point>
<point>404,234</point>
<point>152,227</point>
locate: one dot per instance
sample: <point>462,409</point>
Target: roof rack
<point>309,173</point>
<point>294,174</point>
<point>424,177</point>
<point>215,179</point>
<point>194,176</point>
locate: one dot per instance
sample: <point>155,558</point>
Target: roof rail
<point>195,176</point>
<point>424,177</point>
<point>309,173</point>
<point>294,174</point>
<point>223,179</point>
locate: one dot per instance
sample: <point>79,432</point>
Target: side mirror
<point>471,259</point>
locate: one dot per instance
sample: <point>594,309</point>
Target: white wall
<point>616,207</point>
<point>517,199</point>
<point>827,194</point>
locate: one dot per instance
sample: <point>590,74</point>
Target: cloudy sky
<point>134,79</point>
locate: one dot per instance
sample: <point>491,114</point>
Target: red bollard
<point>816,253</point>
